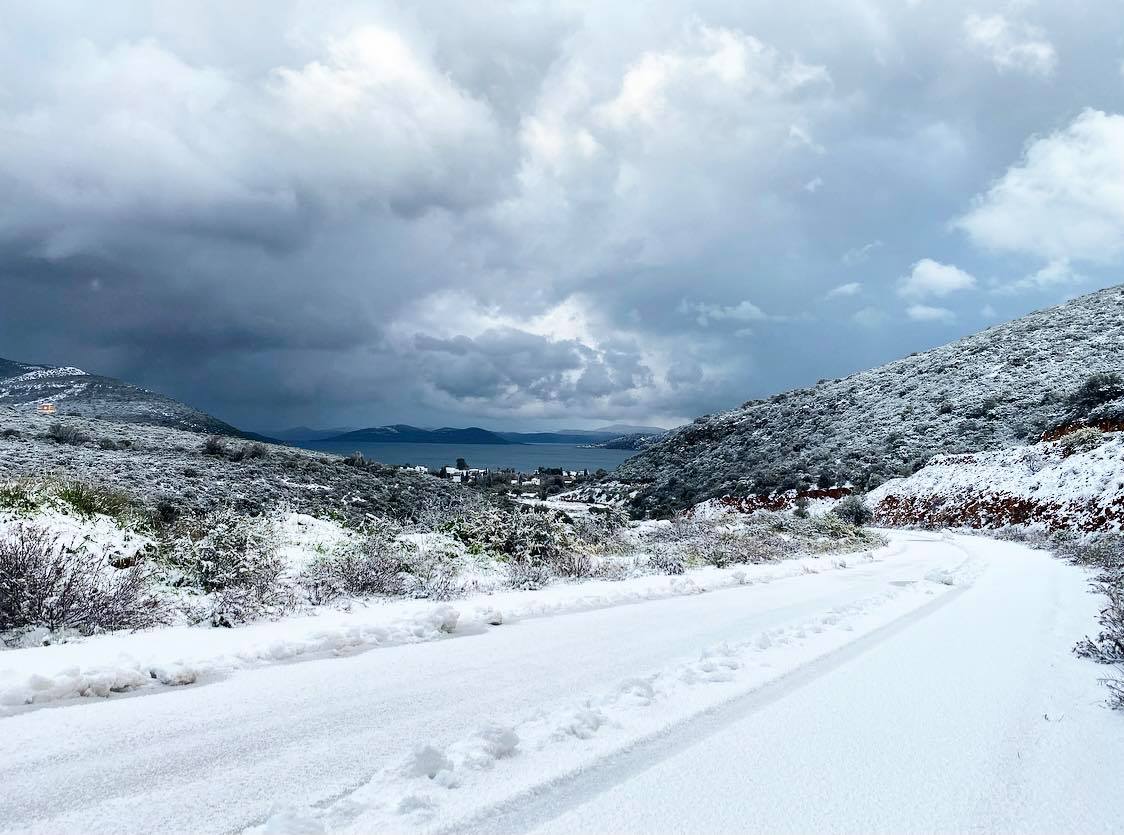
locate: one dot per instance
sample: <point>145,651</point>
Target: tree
<point>462,464</point>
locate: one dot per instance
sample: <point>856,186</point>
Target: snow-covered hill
<point>1075,483</point>
<point>999,388</point>
<point>76,392</point>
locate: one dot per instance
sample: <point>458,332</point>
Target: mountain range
<point>1002,387</point>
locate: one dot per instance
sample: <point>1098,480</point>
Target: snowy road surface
<point>929,689</point>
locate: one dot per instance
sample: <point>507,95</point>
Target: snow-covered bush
<point>527,574</point>
<point>62,434</point>
<point>666,560</point>
<point>1107,554</point>
<point>535,542</point>
<point>43,584</point>
<point>723,547</point>
<point>375,565</point>
<point>853,509</point>
<point>1081,440</point>
<point>381,563</point>
<point>432,572</point>
<point>234,560</point>
<point>1098,389</point>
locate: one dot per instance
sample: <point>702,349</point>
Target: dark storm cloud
<point>550,212</point>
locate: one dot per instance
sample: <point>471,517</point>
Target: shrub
<point>235,560</point>
<point>45,585</point>
<point>854,510</point>
<point>1097,390</point>
<point>8,432</point>
<point>666,561</point>
<point>1081,440</point>
<point>801,508</point>
<point>1107,554</point>
<point>61,434</point>
<point>376,565</point>
<point>254,450</point>
<point>432,573</point>
<point>107,444</point>
<point>527,574</point>
<point>89,499</point>
<point>214,445</point>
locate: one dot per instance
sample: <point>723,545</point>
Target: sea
<point>524,458</point>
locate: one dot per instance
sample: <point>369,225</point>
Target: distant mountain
<point>305,433</point>
<point>574,439</point>
<point>75,392</point>
<point>401,433</point>
<point>616,430</point>
<point>999,388</point>
<point>635,441</point>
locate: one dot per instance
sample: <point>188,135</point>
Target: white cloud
<point>709,61</point>
<point>925,313</point>
<point>931,278</point>
<point>851,288</point>
<point>745,311</point>
<point>1018,47</point>
<point>813,185</point>
<point>859,254</point>
<point>1064,199</point>
<point>1057,273</point>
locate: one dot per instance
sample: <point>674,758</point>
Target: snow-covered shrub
<point>1107,554</point>
<point>1097,390</point>
<point>666,560</point>
<point>373,566</point>
<point>535,542</point>
<point>1081,440</point>
<point>214,445</point>
<point>432,572</point>
<point>527,574</point>
<point>43,584</point>
<point>723,547</point>
<point>854,510</point>
<point>62,434</point>
<point>234,559</point>
<point>573,564</point>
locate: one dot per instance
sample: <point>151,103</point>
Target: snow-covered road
<point>932,688</point>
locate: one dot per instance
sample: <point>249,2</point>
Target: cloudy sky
<point>532,215</point>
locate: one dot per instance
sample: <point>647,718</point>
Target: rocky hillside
<point>173,472</point>
<point>1073,483</point>
<point>77,393</point>
<point>1002,387</point>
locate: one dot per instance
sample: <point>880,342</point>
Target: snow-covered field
<point>929,685</point>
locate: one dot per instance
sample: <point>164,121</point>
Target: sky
<point>532,215</point>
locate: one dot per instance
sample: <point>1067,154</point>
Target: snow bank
<point>177,655</point>
<point>1048,485</point>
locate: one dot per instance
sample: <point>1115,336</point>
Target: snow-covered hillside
<point>75,392</point>
<point>1074,483</point>
<point>1002,387</point>
<point>162,467</point>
